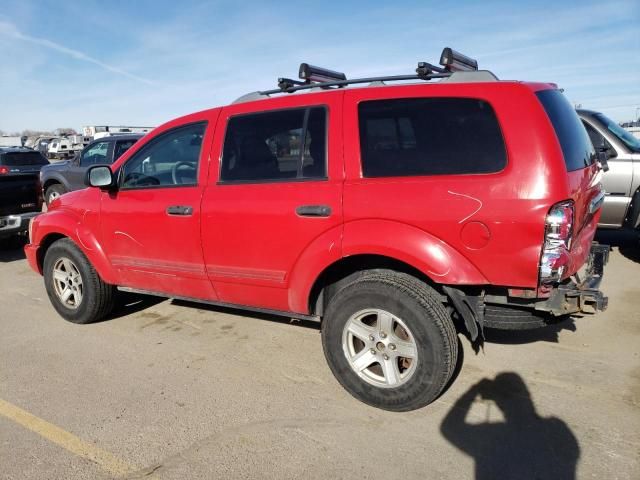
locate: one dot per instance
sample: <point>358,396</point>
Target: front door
<point>151,225</point>
<point>278,197</point>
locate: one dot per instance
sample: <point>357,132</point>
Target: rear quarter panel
<point>493,222</point>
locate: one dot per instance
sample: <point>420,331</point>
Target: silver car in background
<point>622,182</point>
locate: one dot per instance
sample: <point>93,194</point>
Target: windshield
<point>21,159</point>
<point>625,137</point>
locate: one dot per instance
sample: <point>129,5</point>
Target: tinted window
<point>20,159</point>
<point>121,147</point>
<point>168,160</point>
<point>597,140</point>
<point>285,144</point>
<point>429,136</point>
<point>574,141</point>
<point>95,154</point>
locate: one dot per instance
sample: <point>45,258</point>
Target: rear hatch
<point>19,194</point>
<point>22,161</point>
<point>583,175</point>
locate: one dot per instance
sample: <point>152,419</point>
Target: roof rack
<point>312,77</point>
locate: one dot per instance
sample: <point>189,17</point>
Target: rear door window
<point>121,147</point>
<point>429,136</point>
<point>276,145</point>
<point>576,145</point>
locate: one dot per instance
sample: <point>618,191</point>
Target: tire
<point>92,298</point>
<point>512,318</point>
<point>418,320</point>
<point>53,192</point>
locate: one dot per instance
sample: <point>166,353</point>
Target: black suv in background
<point>63,177</point>
<point>20,160</point>
<point>20,198</point>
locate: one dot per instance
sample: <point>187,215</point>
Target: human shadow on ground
<point>627,240</point>
<point>521,445</point>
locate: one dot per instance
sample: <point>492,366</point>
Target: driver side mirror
<point>100,176</point>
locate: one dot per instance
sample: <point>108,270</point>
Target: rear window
<point>576,146</point>
<point>22,159</point>
<point>429,136</point>
<point>122,147</point>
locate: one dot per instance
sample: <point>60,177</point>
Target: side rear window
<point>429,136</point>
<point>121,147</point>
<point>278,145</point>
<point>575,143</point>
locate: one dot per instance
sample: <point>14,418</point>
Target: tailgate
<point>19,194</point>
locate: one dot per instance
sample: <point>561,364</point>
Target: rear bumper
<point>580,294</point>
<point>13,224</point>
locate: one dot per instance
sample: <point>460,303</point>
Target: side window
<point>429,136</point>
<point>168,160</point>
<point>121,147</point>
<point>279,145</point>
<point>597,139</point>
<point>96,154</point>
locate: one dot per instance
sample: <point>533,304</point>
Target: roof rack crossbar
<point>290,88</point>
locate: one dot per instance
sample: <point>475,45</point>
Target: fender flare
<point>63,222</point>
<point>56,178</point>
<point>436,259</point>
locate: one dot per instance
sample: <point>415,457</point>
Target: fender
<point>316,257</point>
<point>79,227</point>
<point>436,259</point>
<point>55,177</point>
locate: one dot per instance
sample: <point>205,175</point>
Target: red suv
<point>396,215</point>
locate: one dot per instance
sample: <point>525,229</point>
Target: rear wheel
<point>76,291</point>
<point>389,341</point>
<point>53,192</point>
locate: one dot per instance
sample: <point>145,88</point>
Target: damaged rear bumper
<point>580,294</point>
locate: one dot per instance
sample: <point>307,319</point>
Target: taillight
<point>4,170</point>
<point>557,241</point>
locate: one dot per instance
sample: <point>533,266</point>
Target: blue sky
<point>68,64</point>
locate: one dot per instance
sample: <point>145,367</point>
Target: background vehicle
<point>20,201</point>
<point>392,214</point>
<point>67,176</point>
<point>20,160</point>
<point>622,182</point>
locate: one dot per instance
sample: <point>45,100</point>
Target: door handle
<point>184,210</point>
<point>313,211</point>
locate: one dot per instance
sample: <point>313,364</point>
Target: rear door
<point>277,193</point>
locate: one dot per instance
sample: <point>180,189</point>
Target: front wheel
<point>389,341</point>
<point>74,287</point>
<point>53,192</point>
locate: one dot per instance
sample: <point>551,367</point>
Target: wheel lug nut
<point>373,351</point>
<point>385,356</point>
<point>392,346</point>
<point>372,338</point>
<point>383,335</point>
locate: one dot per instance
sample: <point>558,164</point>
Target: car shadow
<point>248,313</point>
<point>505,435</point>
<point>549,333</point>
<point>12,248</point>
<point>129,303</point>
<point>627,240</point>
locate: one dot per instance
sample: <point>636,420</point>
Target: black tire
<point>512,318</point>
<point>422,311</point>
<point>98,297</point>
<point>56,190</point>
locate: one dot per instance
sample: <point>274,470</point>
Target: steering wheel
<point>140,179</point>
<point>176,166</point>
